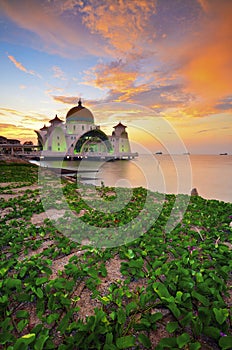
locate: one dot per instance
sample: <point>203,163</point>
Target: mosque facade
<point>78,137</point>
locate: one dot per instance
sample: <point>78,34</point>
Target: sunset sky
<point>126,59</point>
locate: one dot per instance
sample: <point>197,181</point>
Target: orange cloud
<point>116,77</point>
<point>207,62</point>
<point>122,23</point>
<point>66,99</point>
<point>20,133</point>
<point>13,122</point>
<point>20,66</point>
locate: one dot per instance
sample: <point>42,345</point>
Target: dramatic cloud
<point>116,76</point>
<point>123,23</point>
<point>172,56</point>
<point>18,120</point>
<point>16,132</point>
<point>206,63</point>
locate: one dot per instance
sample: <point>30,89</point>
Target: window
<point>83,127</point>
<point>58,144</point>
<point>74,127</point>
<point>58,137</point>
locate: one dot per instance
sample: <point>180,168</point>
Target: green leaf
<point>186,319</point>
<point>109,338</point>
<point>220,315</point>
<point>113,315</point>
<point>200,297</point>
<point>212,332</point>
<point>13,283</point>
<point>195,346</point>
<point>64,322</point>
<point>136,263</point>
<point>144,340</point>
<point>182,340</point>
<point>21,325</point>
<point>109,347</point>
<point>22,314</point>
<point>199,277</point>
<point>23,271</point>
<point>131,306</point>
<point>161,290</point>
<point>174,309</point>
<point>3,299</point>
<point>53,317</point>
<point>130,254</point>
<point>29,337</point>
<point>156,317</point>
<point>41,280</point>
<point>39,345</point>
<point>121,316</point>
<point>103,270</point>
<point>172,327</point>
<point>178,297</point>
<point>23,342</point>
<point>41,340</point>
<point>197,326</point>
<point>39,293</point>
<point>225,342</point>
<point>125,342</point>
<point>167,343</point>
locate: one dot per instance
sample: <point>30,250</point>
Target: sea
<point>211,175</point>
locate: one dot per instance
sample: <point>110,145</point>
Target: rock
<point>194,192</point>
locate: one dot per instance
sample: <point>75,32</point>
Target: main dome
<point>80,114</point>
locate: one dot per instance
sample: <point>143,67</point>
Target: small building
<point>9,146</point>
<point>78,137</point>
<point>13,142</point>
<point>3,140</point>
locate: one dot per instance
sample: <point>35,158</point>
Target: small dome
<point>44,128</point>
<point>55,120</point>
<point>80,114</point>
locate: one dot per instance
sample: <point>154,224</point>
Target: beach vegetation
<point>162,290</point>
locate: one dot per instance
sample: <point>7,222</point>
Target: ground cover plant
<point>164,290</point>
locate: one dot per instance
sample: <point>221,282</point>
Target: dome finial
<point>79,102</point>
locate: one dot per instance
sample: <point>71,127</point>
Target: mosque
<point>78,137</point>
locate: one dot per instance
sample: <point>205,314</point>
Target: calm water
<point>210,174</point>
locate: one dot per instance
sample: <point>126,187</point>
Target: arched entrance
<point>94,141</point>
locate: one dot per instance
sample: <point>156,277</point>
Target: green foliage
<point>177,280</point>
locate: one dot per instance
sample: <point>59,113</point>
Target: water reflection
<point>210,174</point>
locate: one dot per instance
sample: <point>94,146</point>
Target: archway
<point>92,137</point>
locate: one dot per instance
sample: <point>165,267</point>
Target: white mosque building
<point>78,137</point>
